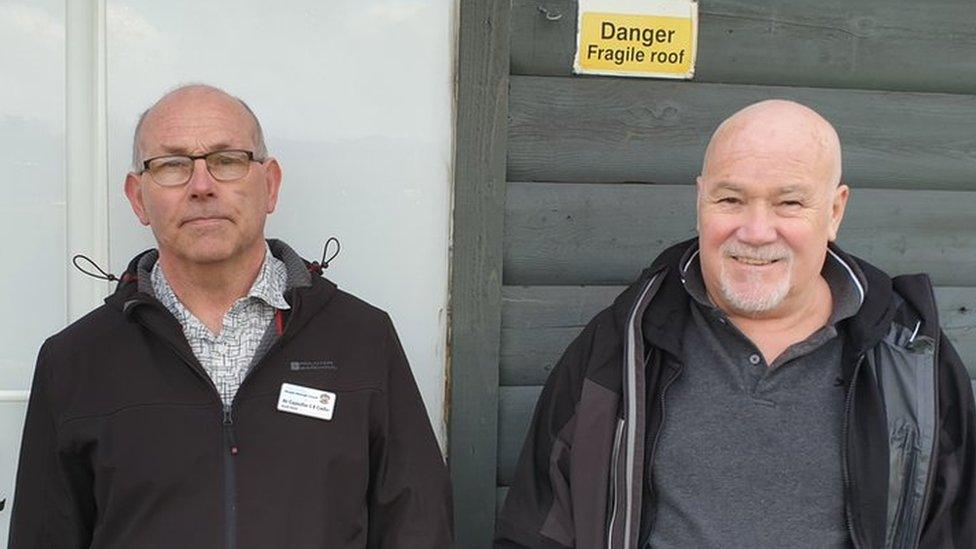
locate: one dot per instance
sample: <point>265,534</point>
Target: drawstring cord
<point>316,266</point>
<point>101,274</point>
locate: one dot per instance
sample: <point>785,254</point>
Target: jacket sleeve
<point>538,510</point>
<point>53,504</point>
<point>951,518</point>
<point>409,502</point>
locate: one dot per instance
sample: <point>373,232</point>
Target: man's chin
<point>753,301</point>
<point>203,253</point>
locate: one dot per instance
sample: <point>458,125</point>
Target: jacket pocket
<point>902,530</point>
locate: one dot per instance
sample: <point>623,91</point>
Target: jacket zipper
<point>615,457</point>
<point>848,489</point>
<point>230,483</point>
<point>653,450</point>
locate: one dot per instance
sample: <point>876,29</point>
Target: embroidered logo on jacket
<point>313,365</point>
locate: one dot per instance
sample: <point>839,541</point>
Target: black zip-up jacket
<point>128,445</point>
<point>909,434</point>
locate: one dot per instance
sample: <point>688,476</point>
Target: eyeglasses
<point>176,170</point>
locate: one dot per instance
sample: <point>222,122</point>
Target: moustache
<point>772,252</point>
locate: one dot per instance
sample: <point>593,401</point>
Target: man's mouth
<point>203,220</point>
<point>753,261</point>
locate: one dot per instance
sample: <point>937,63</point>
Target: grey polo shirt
<point>749,454</point>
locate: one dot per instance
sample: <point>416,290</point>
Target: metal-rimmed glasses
<point>176,170</point>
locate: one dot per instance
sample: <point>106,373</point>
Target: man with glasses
<point>226,395</point>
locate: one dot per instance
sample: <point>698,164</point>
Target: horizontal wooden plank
<point>613,130</point>
<point>869,44</point>
<point>566,234</point>
<point>515,408</point>
<point>538,322</point>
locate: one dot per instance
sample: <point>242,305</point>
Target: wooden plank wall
<point>476,266</point>
<point>600,170</point>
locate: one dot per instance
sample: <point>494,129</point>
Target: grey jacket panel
<point>904,364</point>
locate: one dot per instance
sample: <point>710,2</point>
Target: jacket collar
<point>135,287</point>
<point>666,316</point>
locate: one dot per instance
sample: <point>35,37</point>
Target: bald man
<point>756,386</point>
<point>226,395</point>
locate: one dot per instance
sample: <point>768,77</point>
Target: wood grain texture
<point>870,44</point>
<point>515,408</point>
<point>539,322</point>
<point>605,130</point>
<point>476,268</point>
<point>501,494</point>
<point>566,234</point>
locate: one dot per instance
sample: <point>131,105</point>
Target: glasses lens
<point>228,165</point>
<point>171,170</point>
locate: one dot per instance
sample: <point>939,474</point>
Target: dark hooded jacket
<point>909,435</point>
<point>127,443</point>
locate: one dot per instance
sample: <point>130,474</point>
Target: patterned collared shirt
<point>227,356</point>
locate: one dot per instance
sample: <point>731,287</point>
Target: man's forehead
<point>197,120</point>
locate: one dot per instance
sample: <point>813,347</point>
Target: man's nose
<point>201,183</point>
<point>758,226</point>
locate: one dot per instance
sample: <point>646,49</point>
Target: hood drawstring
<point>101,274</point>
<point>317,267</point>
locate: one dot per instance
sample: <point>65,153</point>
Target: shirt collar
<point>272,281</point>
<point>269,286</point>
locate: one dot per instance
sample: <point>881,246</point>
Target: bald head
<point>769,203</point>
<point>777,126</point>
<point>197,94</point>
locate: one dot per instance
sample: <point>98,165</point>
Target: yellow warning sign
<point>661,44</point>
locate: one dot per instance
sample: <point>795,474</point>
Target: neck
<point>776,331</point>
<point>209,290</point>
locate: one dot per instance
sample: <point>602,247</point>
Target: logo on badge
<point>325,399</point>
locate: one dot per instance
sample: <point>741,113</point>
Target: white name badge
<point>306,401</point>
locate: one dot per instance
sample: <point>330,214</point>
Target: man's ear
<point>133,191</point>
<point>837,207</point>
<point>272,178</point>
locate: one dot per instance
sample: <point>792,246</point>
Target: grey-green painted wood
<point>515,407</point>
<point>619,130</point>
<point>476,265</point>
<point>869,44</point>
<point>502,493</point>
<point>538,322</point>
<point>563,234</point>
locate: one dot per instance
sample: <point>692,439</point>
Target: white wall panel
<point>32,213</point>
<point>356,99</point>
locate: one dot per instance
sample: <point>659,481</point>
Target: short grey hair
<point>260,148</point>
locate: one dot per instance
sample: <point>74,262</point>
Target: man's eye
<point>791,203</point>
<point>728,200</point>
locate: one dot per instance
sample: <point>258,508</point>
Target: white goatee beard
<point>759,296</point>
